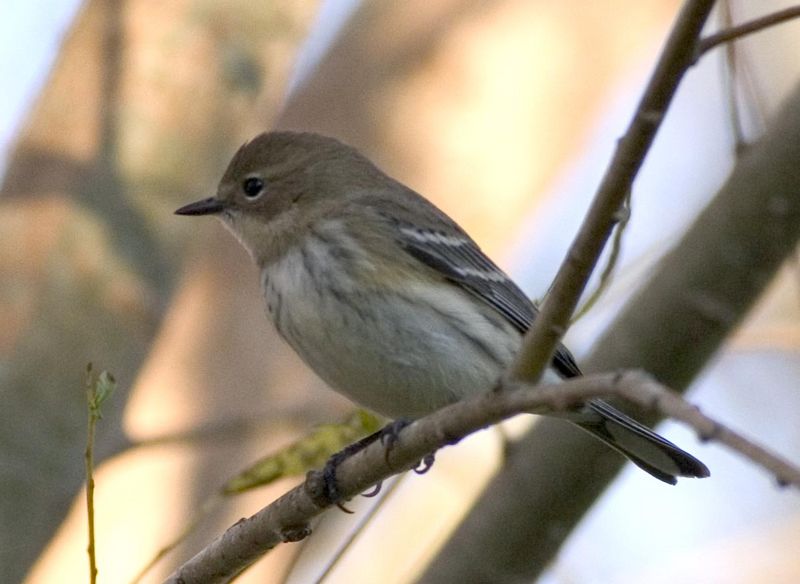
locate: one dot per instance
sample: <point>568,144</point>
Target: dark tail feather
<point>646,449</point>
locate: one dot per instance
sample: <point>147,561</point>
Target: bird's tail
<point>646,449</point>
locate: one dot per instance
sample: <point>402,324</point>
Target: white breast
<point>402,352</point>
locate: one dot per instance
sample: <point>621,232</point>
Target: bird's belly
<point>403,353</point>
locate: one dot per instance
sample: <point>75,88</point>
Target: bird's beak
<point>209,206</point>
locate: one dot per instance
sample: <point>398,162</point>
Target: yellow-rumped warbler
<point>384,296</point>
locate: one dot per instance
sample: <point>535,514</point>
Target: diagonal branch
<point>288,518</point>
<point>551,324</point>
<point>744,29</point>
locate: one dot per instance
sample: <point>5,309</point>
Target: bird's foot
<point>389,436</point>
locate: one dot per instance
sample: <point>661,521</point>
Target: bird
<point>384,296</point>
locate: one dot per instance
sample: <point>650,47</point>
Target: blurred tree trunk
<point>141,111</point>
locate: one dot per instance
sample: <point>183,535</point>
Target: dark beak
<point>208,206</point>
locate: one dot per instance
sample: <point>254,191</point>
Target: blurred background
<point>504,113</point>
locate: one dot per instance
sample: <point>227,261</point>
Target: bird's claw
<point>389,436</point>
<point>375,490</point>
<point>425,464</point>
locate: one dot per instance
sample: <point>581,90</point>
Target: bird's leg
<point>388,435</point>
<point>425,464</point>
<point>329,470</point>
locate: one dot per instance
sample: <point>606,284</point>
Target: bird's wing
<point>458,258</point>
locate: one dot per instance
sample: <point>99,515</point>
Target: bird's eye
<point>253,187</point>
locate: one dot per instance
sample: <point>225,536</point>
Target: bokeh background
<point>504,113</point>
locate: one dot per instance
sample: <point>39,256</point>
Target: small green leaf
<point>106,384</point>
<point>98,389</point>
<point>311,451</point>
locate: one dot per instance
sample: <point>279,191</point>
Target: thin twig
<point>671,405</point>
<point>611,265</point>
<point>730,80</point>
<point>558,306</point>
<point>98,389</point>
<point>287,519</point>
<point>89,462</point>
<point>741,30</point>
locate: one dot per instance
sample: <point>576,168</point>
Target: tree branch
<point>288,518</point>
<point>744,29</point>
<point>698,295</point>
<point>551,324</point>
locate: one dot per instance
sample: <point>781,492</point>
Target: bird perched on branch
<point>384,296</point>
